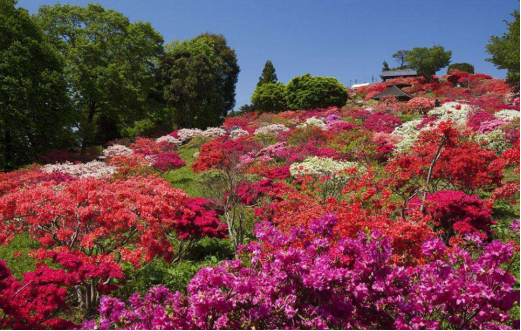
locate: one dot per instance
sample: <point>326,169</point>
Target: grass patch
<point>184,178</point>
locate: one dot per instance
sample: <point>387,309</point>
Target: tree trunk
<point>90,118</point>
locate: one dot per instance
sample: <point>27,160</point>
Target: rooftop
<point>404,72</point>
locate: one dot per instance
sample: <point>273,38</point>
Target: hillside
<point>379,214</point>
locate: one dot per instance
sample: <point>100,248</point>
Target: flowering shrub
<point>322,166</point>
<point>382,123</point>
<point>185,135</point>
<point>171,140</point>
<point>493,140</point>
<point>420,104</point>
<point>313,121</point>
<point>93,169</point>
<point>166,161</point>
<point>115,150</point>
<point>214,132</point>
<point>271,129</point>
<point>237,133</point>
<point>457,213</point>
<point>507,115</point>
<point>453,111</point>
<point>321,285</point>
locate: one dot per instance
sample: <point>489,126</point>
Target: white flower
<point>237,133</point>
<point>93,169</point>
<point>169,139</point>
<point>507,114</point>
<point>494,140</point>
<point>214,132</point>
<point>271,129</point>
<point>448,111</point>
<point>187,134</point>
<point>115,150</point>
<point>322,166</point>
<point>409,134</point>
<point>314,121</point>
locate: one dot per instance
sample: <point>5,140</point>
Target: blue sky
<point>346,39</point>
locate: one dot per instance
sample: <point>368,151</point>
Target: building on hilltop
<point>393,91</point>
<point>392,74</point>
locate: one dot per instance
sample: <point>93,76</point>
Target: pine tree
<point>268,74</point>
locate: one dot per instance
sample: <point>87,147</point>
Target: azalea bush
<point>347,285</point>
<point>362,215</point>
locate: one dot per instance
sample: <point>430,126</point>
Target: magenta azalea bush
<point>308,280</point>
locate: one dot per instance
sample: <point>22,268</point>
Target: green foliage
<point>184,178</point>
<point>385,66</point>
<point>426,61</point>
<point>311,92</point>
<point>199,80</point>
<point>401,58</point>
<point>269,97</point>
<point>505,50</point>
<point>467,67</point>
<point>268,74</point>
<point>35,112</point>
<point>110,67</point>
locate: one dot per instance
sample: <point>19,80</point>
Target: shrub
<point>269,97</point>
<point>311,92</point>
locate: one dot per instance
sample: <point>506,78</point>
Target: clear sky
<point>346,39</point>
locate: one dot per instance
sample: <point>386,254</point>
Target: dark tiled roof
<point>393,91</point>
<point>393,73</point>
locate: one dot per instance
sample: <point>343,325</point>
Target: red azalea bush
<point>382,123</point>
<point>420,104</point>
<point>167,161</point>
<point>457,213</point>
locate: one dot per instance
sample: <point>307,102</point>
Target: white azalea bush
<point>169,139</point>
<point>115,150</point>
<point>408,133</point>
<point>314,121</point>
<point>494,140</point>
<point>237,133</point>
<point>93,169</point>
<point>507,114</point>
<point>331,175</point>
<point>449,111</point>
<point>214,132</point>
<point>322,166</point>
<point>271,129</point>
<point>185,135</point>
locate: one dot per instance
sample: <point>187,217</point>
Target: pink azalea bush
<point>321,284</point>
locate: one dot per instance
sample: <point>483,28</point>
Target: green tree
<point>426,61</point>
<point>34,107</point>
<point>467,67</point>
<point>385,66</point>
<point>401,57</point>
<point>110,66</point>
<point>199,82</point>
<point>229,67</point>
<point>268,74</point>
<point>311,92</point>
<point>269,97</point>
<point>505,50</point>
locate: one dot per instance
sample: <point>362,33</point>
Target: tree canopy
<point>310,92</point>
<point>34,108</point>
<point>269,97</point>
<point>109,66</point>
<point>467,67</point>
<point>426,61</point>
<point>505,50</point>
<point>199,78</point>
<point>401,58</point>
<point>268,74</point>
